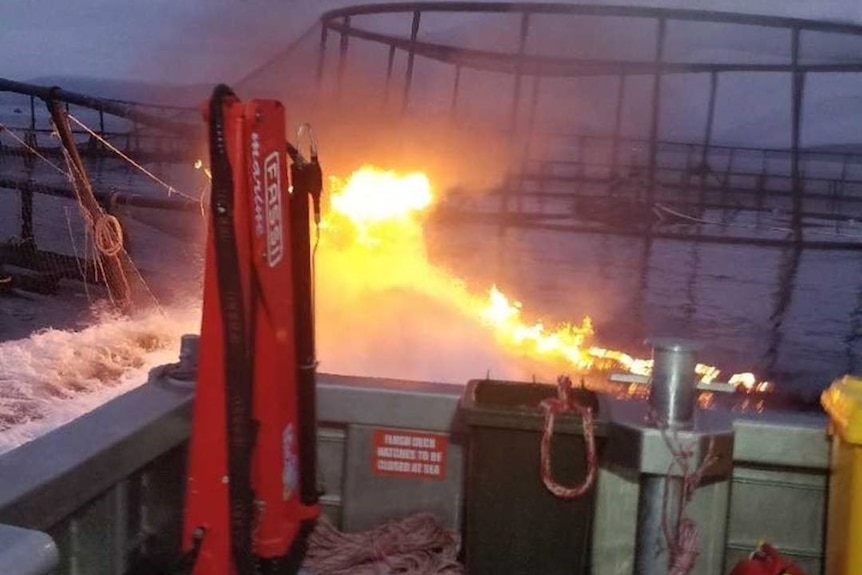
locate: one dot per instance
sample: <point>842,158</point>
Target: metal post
<point>656,108</point>
<point>516,104</point>
<point>673,392</point>
<point>672,398</point>
<point>516,94</point>
<point>798,88</point>
<point>787,272</point>
<point>27,236</point>
<point>389,65</point>
<point>33,114</point>
<point>342,54</point>
<point>184,373</point>
<point>411,56</point>
<point>456,88</point>
<point>189,345</point>
<point>528,141</point>
<point>703,169</point>
<point>321,54</point>
<point>618,126</point>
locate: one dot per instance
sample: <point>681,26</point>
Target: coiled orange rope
<point>565,403</point>
<point>418,545</point>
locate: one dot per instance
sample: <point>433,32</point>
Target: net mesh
<point>51,247</point>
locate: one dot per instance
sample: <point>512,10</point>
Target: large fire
<point>373,235</point>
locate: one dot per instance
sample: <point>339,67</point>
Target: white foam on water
<point>55,376</point>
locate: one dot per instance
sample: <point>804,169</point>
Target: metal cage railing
<point>710,110</point>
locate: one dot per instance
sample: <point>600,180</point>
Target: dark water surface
<point>791,316</point>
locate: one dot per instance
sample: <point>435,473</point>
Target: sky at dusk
<point>194,41</point>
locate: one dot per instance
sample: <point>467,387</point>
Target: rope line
<point>110,146</point>
<point>108,235</point>
<point>683,542</point>
<point>102,229</point>
<point>31,149</point>
<point>684,216</point>
<point>81,269</point>
<point>565,403</point>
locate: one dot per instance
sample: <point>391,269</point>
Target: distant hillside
<point>130,90</point>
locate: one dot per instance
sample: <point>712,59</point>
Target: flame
<point>567,341</point>
<point>373,239</point>
<point>372,197</point>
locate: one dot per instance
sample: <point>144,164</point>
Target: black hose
<point>238,376</point>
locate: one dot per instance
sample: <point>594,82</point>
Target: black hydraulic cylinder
<point>307,185</point>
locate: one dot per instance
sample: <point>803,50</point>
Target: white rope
<point>81,269</point>
<point>102,228</point>
<point>108,230</point>
<point>684,216</point>
<point>32,150</point>
<point>109,235</point>
<point>152,176</point>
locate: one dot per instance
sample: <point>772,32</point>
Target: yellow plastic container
<point>843,402</point>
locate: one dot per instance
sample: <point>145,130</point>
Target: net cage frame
<point>116,139</point>
<point>811,187</point>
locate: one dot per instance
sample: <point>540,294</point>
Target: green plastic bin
<point>513,524</point>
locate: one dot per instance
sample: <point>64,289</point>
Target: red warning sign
<point>409,454</point>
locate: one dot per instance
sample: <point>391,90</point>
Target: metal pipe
<point>672,398</point>
<point>116,108</point>
<point>673,392</point>
<point>595,9</point>
<point>105,199</point>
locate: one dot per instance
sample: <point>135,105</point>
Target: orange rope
<point>418,545</point>
<point>565,403</point>
<point>682,543</point>
<point>108,235</point>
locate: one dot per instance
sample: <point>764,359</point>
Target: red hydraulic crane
<point>251,491</point>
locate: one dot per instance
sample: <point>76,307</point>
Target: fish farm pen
<point>124,149</point>
<point>648,137</point>
<point>590,120</point>
<point>626,120</point>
